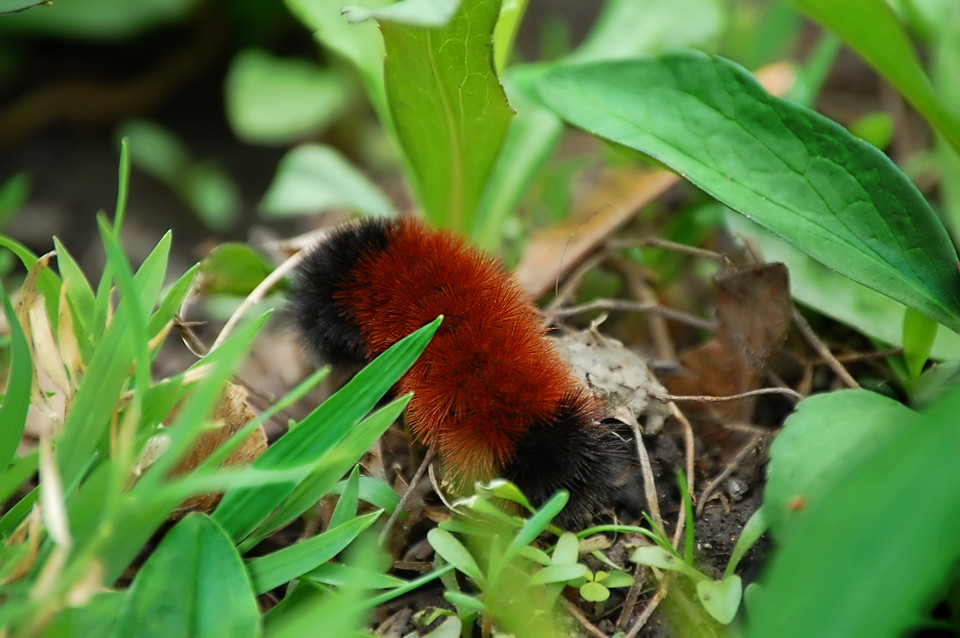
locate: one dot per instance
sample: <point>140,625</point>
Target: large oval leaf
<point>795,172</point>
<point>450,112</point>
<point>194,584</point>
<point>869,554</point>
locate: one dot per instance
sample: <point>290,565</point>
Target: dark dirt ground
<point>73,167</point>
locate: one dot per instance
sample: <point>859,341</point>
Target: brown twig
<point>822,350</point>
<point>565,293</point>
<point>633,595</point>
<point>728,470</point>
<point>636,306</point>
<point>666,244</point>
<point>638,288</point>
<point>709,398</point>
<point>427,459</point>
<point>649,483</point>
<point>649,609</point>
<point>588,626</point>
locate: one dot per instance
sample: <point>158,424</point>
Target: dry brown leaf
<point>233,414</point>
<point>552,253</point>
<point>27,533</point>
<point>753,313</point>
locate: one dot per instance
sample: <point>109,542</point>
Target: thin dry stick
<point>574,280</point>
<point>583,620</point>
<point>648,610</point>
<point>688,468</point>
<point>630,602</point>
<point>649,484</point>
<point>823,350</point>
<point>854,357</point>
<point>427,459</point>
<point>637,306</point>
<point>709,398</point>
<point>657,324</point>
<point>646,242</point>
<point>258,293</point>
<point>727,471</point>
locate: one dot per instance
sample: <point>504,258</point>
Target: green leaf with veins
<point>448,107</point>
<point>788,168</point>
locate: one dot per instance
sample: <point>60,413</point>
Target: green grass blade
<point>193,585</point>
<point>793,171</point>
<point>242,510</point>
<point>335,465</point>
<point>47,282</point>
<point>450,112</point>
<point>16,399</point>
<point>292,561</point>
<point>346,508</point>
<point>79,293</point>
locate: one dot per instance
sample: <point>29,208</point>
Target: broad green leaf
<point>721,599</point>
<point>654,556</point>
<point>360,43</point>
<point>194,584</point>
<point>559,573</point>
<point>241,510</point>
<point>233,268</point>
<point>293,561</point>
<point>791,170</point>
<point>836,296</point>
<point>448,107</point>
<point>567,550</point>
<point>594,592</point>
<point>271,100</point>
<point>871,28</point>
<point>314,178</point>
<point>827,433</point>
<point>16,396</point>
<point>454,552</point>
<point>95,618</point>
<point>630,28</point>
<point>875,546</point>
<point>919,333</point>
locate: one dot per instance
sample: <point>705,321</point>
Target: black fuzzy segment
<point>326,327</point>
<point>571,451</point>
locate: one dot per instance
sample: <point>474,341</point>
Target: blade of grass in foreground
<point>241,510</point>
